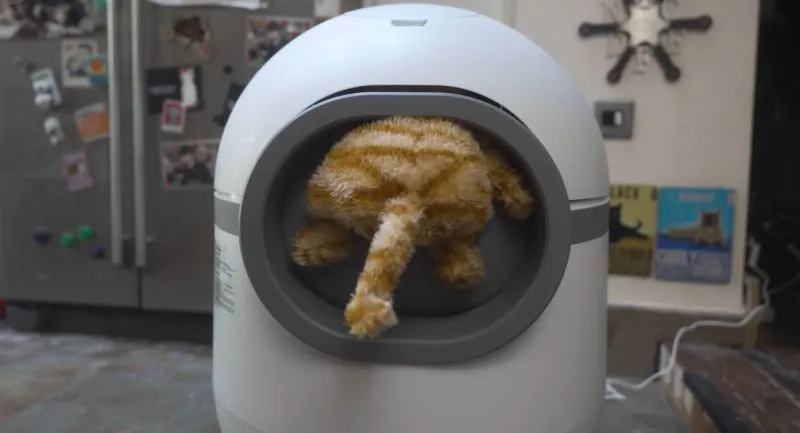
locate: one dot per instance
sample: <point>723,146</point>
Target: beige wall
<point>693,133</point>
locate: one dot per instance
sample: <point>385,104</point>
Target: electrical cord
<point>612,393</point>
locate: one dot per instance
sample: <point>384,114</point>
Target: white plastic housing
<point>550,379</point>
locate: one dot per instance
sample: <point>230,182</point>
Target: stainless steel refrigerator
<point>156,236</point>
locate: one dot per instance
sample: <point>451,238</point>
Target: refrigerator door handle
<point>139,186</point>
<point>114,138</point>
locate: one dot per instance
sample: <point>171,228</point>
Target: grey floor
<point>80,384</point>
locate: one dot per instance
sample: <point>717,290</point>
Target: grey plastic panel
<point>178,223</point>
<point>33,192</point>
<point>585,224</point>
<point>416,340</point>
<point>226,215</point>
<point>588,223</point>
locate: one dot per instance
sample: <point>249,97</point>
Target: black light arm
<point>671,72</point>
<point>615,74</point>
<point>598,29</point>
<point>697,24</point>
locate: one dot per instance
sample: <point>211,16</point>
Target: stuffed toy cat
<point>404,182</point>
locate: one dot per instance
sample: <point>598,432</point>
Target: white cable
<point>613,394</point>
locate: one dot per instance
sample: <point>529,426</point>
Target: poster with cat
<point>695,232</point>
<point>632,229</point>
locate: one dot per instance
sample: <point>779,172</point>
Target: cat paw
<point>321,243</point>
<point>461,267</point>
<point>521,208</point>
<point>369,315</point>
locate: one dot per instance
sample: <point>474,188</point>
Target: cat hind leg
<point>459,262</point>
<point>321,243</point>
<point>507,187</point>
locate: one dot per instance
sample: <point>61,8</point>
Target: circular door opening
<point>524,261</point>
<point>506,244</point>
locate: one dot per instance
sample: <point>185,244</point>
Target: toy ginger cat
<point>404,182</point>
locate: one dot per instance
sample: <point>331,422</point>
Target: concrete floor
<point>80,384</point>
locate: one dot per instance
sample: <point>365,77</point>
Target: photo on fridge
<point>188,164</point>
<point>34,19</point>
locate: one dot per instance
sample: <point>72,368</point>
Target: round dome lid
<point>415,11</point>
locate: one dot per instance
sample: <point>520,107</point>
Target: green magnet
<point>85,233</point>
<point>68,240</point>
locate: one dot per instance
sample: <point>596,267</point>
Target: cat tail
<point>370,309</point>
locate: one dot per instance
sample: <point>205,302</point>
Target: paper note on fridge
<point>179,83</point>
<point>326,8</point>
<point>242,4</point>
<point>75,169</point>
<point>92,122</point>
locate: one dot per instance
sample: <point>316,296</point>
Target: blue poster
<point>695,232</point>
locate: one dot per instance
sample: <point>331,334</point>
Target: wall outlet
<point>615,119</point>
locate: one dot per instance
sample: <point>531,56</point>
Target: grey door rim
<point>414,340</point>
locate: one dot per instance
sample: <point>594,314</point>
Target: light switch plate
<point>615,119</point>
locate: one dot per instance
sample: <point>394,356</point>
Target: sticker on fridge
<point>98,70</point>
<point>181,83</point>
<point>632,229</point>
<point>234,91</point>
<point>52,127</point>
<point>189,164</point>
<point>75,57</point>
<point>242,4</point>
<point>46,94</point>
<point>32,19</point>
<point>192,33</point>
<point>92,122</point>
<point>75,169</point>
<point>695,233</point>
<point>267,34</point>
<point>173,116</point>
<point>327,8</point>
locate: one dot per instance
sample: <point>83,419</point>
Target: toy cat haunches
<point>404,182</point>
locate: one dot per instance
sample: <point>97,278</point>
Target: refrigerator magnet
<point>97,70</point>
<point>52,127</point>
<point>75,169</point>
<point>184,84</point>
<point>173,116</point>
<point>234,91</point>
<point>46,94</point>
<point>267,34</point>
<point>92,122</point>
<point>75,56</point>
<point>189,164</point>
<point>192,33</point>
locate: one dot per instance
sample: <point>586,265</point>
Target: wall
<point>693,133</point>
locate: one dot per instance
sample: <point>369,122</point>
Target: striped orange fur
<point>403,182</point>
